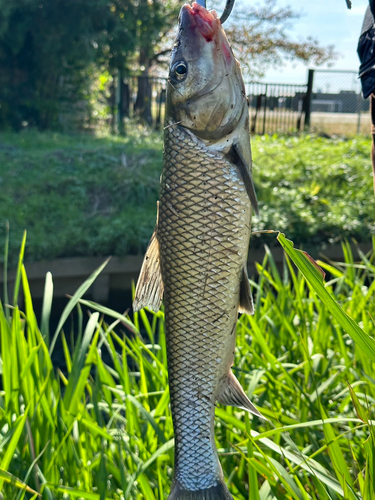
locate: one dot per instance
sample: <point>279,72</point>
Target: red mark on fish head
<point>205,21</point>
<point>228,56</point>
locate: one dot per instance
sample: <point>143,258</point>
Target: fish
<point>197,255</point>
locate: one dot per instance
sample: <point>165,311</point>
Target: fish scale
<point>203,232</point>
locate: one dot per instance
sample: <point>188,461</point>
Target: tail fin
<point>218,492</point>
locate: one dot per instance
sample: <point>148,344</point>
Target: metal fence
<point>142,97</point>
<point>337,105</point>
<point>273,107</point>
<point>330,102</point>
<point>276,107</point>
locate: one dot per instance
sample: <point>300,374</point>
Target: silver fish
<point>197,255</point>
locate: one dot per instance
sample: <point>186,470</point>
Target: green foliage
<point>91,196</point>
<point>105,432</point>
<point>45,50</point>
<point>85,196</point>
<point>314,189</point>
<point>52,53</point>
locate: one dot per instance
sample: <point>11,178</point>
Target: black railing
<point>276,107</point>
<point>273,107</point>
<point>330,102</point>
<point>144,98</point>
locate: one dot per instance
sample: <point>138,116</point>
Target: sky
<point>332,23</point>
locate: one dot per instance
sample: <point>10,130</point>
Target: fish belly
<point>203,233</point>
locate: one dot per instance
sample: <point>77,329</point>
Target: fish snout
<point>198,19</point>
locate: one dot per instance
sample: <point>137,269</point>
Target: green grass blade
<point>336,454</point>
<point>46,308</point>
<point>143,467</point>
<point>110,312</point>
<point>15,481</point>
<point>252,472</point>
<point>94,428</point>
<point>18,273</point>
<point>72,393</point>
<point>74,493</point>
<point>5,269</point>
<point>148,417</point>
<point>74,300</point>
<point>6,348</point>
<point>315,278</point>
<point>11,448</point>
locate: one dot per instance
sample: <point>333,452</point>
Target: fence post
<point>265,110</point>
<point>359,106</point>
<point>309,94</point>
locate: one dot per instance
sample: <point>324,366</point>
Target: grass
<point>79,196</point>
<point>314,189</point>
<point>84,195</point>
<point>104,431</point>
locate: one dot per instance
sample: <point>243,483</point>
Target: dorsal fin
<point>150,287</point>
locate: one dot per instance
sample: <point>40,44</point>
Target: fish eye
<point>179,70</point>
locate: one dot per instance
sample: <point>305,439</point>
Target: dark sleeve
<point>372,7</point>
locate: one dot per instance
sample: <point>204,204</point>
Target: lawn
<point>80,195</point>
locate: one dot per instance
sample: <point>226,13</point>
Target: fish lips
<point>197,19</point>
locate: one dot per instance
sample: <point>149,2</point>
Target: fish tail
<point>218,492</point>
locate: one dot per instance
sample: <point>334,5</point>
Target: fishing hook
<point>226,12</point>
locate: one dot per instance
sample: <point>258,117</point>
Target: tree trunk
<point>112,102</point>
<point>144,95</point>
<point>125,92</point>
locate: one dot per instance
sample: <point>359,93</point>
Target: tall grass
<point>104,431</point>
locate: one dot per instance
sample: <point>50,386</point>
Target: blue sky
<point>331,23</point>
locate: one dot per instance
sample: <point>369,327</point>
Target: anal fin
<point>232,394</point>
<point>246,304</point>
<point>150,288</point>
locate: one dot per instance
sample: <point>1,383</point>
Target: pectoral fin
<point>150,288</point>
<point>232,394</point>
<point>236,156</point>
<point>246,305</point>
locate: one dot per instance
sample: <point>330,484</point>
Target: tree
<point>47,50</point>
<point>52,52</point>
<point>260,39</point>
<point>155,22</point>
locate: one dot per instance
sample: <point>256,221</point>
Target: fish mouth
<point>197,17</point>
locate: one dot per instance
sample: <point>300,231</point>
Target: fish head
<point>206,93</point>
